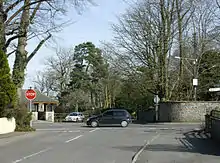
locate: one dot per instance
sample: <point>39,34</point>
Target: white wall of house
<point>7,125</point>
<point>34,116</point>
<point>50,116</point>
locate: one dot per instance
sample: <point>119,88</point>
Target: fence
<point>209,118</point>
<point>215,114</point>
<point>213,124</point>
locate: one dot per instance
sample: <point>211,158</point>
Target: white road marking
<point>52,129</point>
<point>73,139</point>
<point>64,131</point>
<point>94,130</point>
<point>142,149</point>
<point>34,154</point>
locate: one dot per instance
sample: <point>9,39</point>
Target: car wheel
<point>94,124</point>
<point>124,124</point>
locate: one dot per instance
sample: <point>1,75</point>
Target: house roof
<point>39,98</point>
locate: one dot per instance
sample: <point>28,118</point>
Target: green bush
<point>8,91</point>
<point>24,129</point>
<point>23,118</point>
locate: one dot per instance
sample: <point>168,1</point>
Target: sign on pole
<point>214,89</point>
<point>30,94</point>
<point>195,82</point>
<point>156,99</point>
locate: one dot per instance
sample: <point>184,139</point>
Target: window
<point>35,108</point>
<point>73,114</point>
<point>108,113</point>
<point>50,108</point>
<point>119,113</point>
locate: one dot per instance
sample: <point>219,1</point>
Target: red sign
<point>30,94</point>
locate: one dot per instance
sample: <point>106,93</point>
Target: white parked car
<point>75,117</point>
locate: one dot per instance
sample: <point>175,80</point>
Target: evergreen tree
<point>7,87</point>
<point>209,76</point>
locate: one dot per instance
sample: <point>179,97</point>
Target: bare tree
<point>145,35</point>
<point>54,79</point>
<point>45,82</point>
<point>61,65</point>
<point>22,20</point>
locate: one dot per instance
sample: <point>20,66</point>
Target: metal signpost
<point>30,94</point>
<point>156,101</point>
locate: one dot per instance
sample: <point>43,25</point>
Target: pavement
<point>75,143</point>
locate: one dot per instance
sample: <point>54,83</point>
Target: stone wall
<point>185,111</point>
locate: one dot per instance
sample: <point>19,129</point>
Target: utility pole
<point>156,101</point>
<point>195,80</point>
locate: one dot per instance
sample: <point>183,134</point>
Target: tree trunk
<point>163,48</point>
<point>92,98</point>
<point>106,97</point>
<point>20,63</point>
<point>3,18</point>
<point>166,22</point>
<point>77,107</point>
<point>180,40</point>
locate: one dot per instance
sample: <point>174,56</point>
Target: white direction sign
<point>214,89</point>
<point>156,99</point>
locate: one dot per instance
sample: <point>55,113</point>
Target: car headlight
<point>88,119</point>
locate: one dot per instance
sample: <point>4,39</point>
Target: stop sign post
<point>30,94</point>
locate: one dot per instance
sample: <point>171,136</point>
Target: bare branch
<point>9,54</point>
<point>37,48</point>
<point>217,3</point>
<point>34,12</point>
<point>11,39</point>
<point>12,6</point>
<point>12,31</point>
<point>20,10</point>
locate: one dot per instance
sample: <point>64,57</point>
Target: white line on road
<point>142,149</point>
<point>52,129</point>
<point>66,131</point>
<point>73,139</point>
<point>94,130</point>
<point>34,154</point>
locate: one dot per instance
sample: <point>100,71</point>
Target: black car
<point>110,117</point>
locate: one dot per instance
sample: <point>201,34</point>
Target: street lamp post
<point>195,80</point>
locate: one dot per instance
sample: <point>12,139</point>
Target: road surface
<point>72,143</point>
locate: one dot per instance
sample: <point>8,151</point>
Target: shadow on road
<point>200,142</point>
<point>192,142</point>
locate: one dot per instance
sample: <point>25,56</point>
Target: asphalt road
<point>72,143</point>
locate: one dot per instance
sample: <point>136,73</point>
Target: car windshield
<point>73,114</point>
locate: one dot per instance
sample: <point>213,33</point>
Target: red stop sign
<point>30,94</point>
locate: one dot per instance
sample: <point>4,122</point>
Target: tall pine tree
<point>7,87</point>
